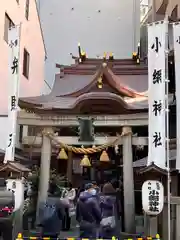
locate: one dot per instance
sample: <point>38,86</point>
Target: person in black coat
<point>109,223</point>
<point>51,223</point>
<point>88,213</point>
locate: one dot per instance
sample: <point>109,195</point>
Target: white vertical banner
<point>156,93</point>
<point>176,38</point>
<point>13,67</point>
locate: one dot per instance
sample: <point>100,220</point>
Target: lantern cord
<point>167,127</point>
<point>83,150</point>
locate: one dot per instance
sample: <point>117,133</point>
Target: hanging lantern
<point>104,157</point>
<point>62,154</point>
<point>99,83</point>
<point>85,162</point>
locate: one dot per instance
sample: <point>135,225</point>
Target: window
<point>26,60</point>
<point>27,10</point>
<point>33,131</point>
<point>7,24</point>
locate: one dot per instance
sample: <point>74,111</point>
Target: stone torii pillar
<point>128,181</point>
<point>45,166</point>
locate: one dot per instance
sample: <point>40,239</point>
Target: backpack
<point>47,212</point>
<point>82,208</point>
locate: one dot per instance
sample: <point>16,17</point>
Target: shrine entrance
<point>92,126</point>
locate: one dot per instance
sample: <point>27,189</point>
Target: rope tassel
<point>82,150</point>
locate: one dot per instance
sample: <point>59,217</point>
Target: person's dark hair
<point>108,188</point>
<point>115,183</point>
<point>94,183</point>
<point>88,186</point>
<point>69,185</point>
<point>52,188</point>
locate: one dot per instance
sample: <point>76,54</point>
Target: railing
<point>20,237</point>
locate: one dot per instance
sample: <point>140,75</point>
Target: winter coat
<point>108,209</point>
<point>88,214</point>
<point>71,195</point>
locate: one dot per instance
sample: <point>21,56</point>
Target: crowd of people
<point>96,210</point>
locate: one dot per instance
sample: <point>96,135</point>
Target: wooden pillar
<point>174,192</point>
<point>177,222</point>
<point>69,166</point>
<point>153,226</point>
<point>45,166</point>
<point>128,181</point>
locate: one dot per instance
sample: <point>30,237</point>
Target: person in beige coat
<point>70,210</point>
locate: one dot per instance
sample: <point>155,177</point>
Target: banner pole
<point>167,126</point>
<point>13,83</point>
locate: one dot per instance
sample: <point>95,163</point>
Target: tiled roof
<point>76,82</point>
<point>143,162</point>
<point>70,83</point>
<point>14,166</point>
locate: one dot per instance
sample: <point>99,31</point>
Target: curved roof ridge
<point>125,89</point>
<point>75,94</point>
<point>100,95</point>
<point>111,78</point>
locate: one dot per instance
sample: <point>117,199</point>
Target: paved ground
<point>74,232</point>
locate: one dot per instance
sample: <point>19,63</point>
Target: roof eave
<point>13,168</point>
<point>25,104</point>
<point>152,167</point>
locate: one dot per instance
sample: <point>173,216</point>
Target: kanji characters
<point>157,139</point>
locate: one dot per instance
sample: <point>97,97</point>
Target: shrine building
<point>94,126</point>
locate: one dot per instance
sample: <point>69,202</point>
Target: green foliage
<point>57,179</point>
<point>34,177</point>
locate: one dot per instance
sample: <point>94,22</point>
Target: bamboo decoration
<point>62,154</point>
<point>85,162</point>
<point>104,157</point>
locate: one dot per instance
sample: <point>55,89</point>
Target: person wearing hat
<point>95,185</point>
<point>88,212</point>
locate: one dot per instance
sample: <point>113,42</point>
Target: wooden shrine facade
<point>113,93</point>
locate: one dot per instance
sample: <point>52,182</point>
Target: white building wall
<point>3,131</point>
<point>99,25</point>
<point>32,40</point>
